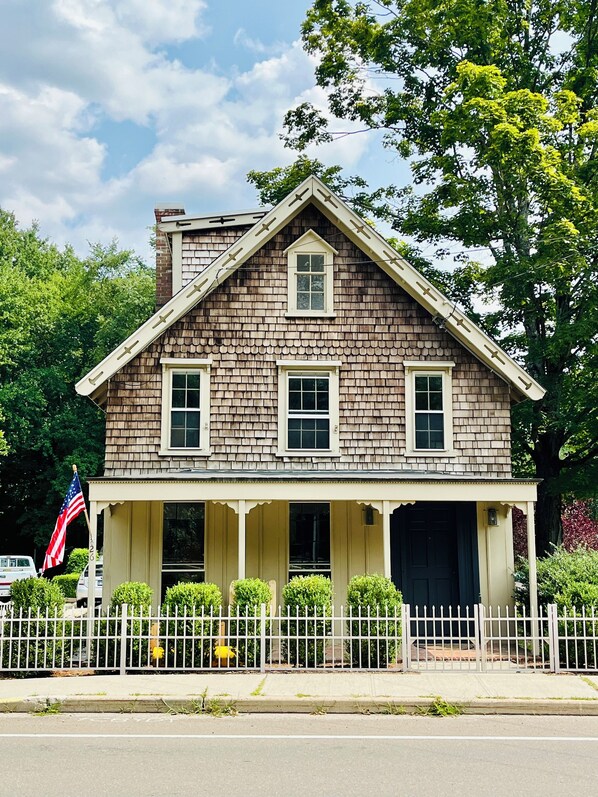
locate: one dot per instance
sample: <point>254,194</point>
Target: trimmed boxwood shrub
<point>138,598</point>
<point>37,594</point>
<point>307,605</point>
<point>67,583</point>
<point>77,560</point>
<point>136,594</point>
<point>190,641</point>
<point>248,596</point>
<point>373,643</point>
<point>42,646</point>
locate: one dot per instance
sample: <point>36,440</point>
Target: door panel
<point>434,554</point>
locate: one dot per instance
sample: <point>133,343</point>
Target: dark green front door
<point>434,554</point>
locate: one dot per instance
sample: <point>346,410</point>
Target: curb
<point>217,706</point>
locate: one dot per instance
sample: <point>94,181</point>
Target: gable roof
<point>312,190</point>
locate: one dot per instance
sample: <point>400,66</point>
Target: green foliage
<point>191,642</point>
<point>373,643</point>
<point>274,185</point>
<point>59,315</point>
<point>67,583</point>
<point>42,643</point>
<point>77,560</point>
<point>307,603</point>
<point>563,573</point>
<point>37,594</point>
<point>193,598</point>
<point>494,107</point>
<point>138,598</point>
<point>578,648</point>
<point>136,594</point>
<point>248,596</point>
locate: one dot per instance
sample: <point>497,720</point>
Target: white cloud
<point>67,68</point>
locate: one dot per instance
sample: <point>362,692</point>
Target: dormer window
<point>311,274</point>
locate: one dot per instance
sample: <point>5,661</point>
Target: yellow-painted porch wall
<point>133,547</point>
<point>495,555</point>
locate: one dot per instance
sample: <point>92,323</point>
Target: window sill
<point>184,452</point>
<point>308,453</point>
<point>308,314</point>
<point>431,452</point>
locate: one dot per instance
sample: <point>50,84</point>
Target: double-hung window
<point>185,406</point>
<point>310,272</point>
<point>183,535</point>
<point>428,406</point>
<point>308,408</point>
<point>309,539</point>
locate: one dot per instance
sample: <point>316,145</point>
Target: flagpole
<point>91,562</point>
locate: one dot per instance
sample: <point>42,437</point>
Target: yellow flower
<point>224,652</point>
<point>157,653</point>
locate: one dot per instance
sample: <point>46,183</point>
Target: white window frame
<point>170,366</point>
<point>287,369</point>
<point>310,243</point>
<point>444,369</point>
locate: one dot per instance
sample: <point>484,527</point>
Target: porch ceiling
<point>363,486</point>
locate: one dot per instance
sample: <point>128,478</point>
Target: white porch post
<point>386,513</point>
<point>533,577</point>
<point>242,540</point>
<point>91,571</point>
<point>531,555</point>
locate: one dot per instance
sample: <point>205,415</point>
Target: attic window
<point>310,276</point>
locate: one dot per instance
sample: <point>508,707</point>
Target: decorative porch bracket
<point>386,508</point>
<point>242,508</point>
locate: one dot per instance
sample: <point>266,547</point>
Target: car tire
<point>81,603</point>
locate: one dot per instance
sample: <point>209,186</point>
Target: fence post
<point>263,637</point>
<point>481,636</point>
<point>123,639</point>
<point>406,636</point>
<point>553,638</point>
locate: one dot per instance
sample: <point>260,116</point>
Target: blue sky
<point>108,107</point>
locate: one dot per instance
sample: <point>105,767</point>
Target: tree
<point>59,315</point>
<point>501,130</point>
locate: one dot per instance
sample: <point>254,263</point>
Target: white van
<point>83,584</point>
<point>14,568</point>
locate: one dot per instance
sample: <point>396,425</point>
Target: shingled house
<point>303,400</point>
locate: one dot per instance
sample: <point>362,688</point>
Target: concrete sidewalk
<point>306,692</point>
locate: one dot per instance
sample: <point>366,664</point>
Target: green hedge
<point>248,596</point>
<point>191,642</point>
<point>43,645</point>
<point>77,560</point>
<point>377,642</point>
<point>307,605</point>
<point>557,574</point>
<point>67,583</point>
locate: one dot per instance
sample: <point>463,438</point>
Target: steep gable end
<point>363,236</point>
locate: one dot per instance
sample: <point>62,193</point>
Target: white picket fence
<point>474,639</point>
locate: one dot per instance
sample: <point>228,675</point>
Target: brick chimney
<point>164,254</point>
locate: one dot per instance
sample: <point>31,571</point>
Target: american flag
<point>73,505</point>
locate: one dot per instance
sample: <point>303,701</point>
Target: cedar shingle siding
<point>242,327</point>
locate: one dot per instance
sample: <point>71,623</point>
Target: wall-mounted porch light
<point>492,516</point>
<point>368,515</point>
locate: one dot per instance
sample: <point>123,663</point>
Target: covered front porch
<point>441,540</point>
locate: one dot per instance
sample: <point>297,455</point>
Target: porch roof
<point>363,486</point>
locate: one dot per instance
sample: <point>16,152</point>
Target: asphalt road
<point>170,756</point>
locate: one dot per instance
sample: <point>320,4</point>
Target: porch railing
<point>471,639</point>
